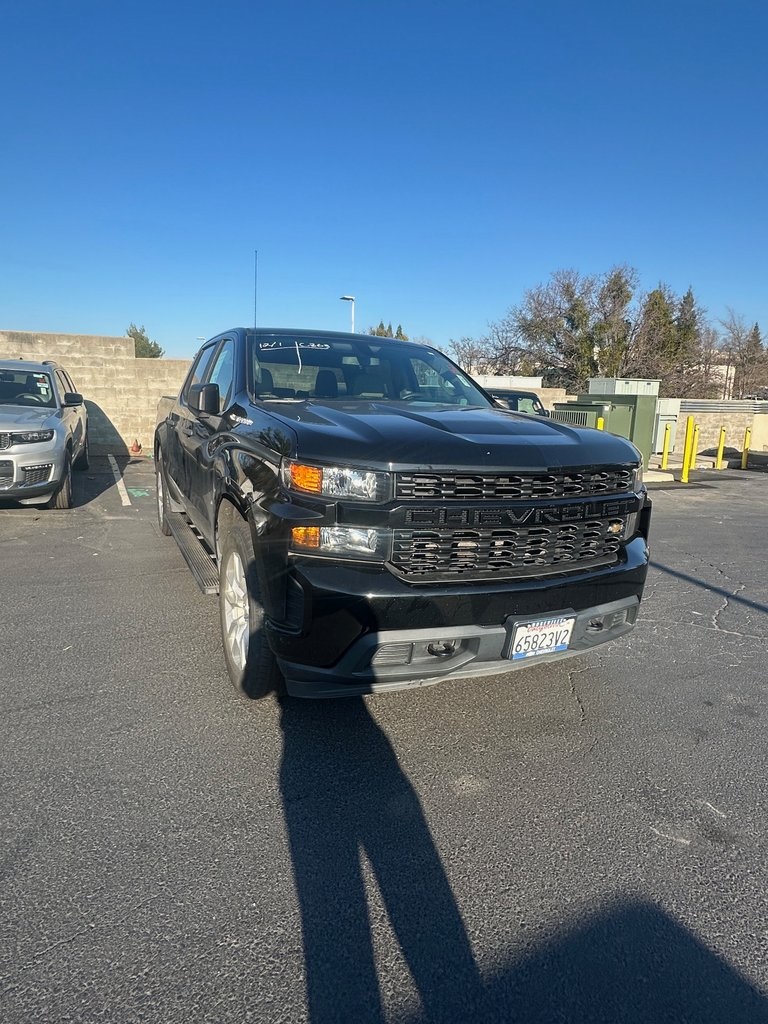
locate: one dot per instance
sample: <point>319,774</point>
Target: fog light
<point>393,654</point>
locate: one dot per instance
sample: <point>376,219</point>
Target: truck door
<point>180,425</point>
<point>199,441</point>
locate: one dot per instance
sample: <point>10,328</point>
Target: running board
<point>196,554</point>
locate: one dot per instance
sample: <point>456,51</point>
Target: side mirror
<point>72,399</point>
<point>204,399</point>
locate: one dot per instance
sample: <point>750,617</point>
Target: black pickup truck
<point>371,520</point>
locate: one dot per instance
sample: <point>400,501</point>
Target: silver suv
<point>43,433</point>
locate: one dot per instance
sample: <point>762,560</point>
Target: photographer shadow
<point>345,796</point>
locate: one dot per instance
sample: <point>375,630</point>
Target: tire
<point>83,460</point>
<point>250,662</point>
<point>162,495</point>
<point>62,497</point>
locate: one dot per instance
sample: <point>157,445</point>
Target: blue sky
<point>434,159</point>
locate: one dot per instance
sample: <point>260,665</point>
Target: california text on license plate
<point>546,636</point>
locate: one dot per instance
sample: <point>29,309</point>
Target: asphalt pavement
<point>576,842</point>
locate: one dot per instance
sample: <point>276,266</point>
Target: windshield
<point>18,387</point>
<point>343,369</point>
<point>519,401</point>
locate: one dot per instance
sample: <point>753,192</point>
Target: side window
<point>61,385</point>
<point>223,373</point>
<point>199,367</point>
<point>70,382</point>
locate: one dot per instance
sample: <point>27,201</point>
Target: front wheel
<point>162,496</point>
<point>250,662</point>
<point>63,496</point>
<point>83,460</point>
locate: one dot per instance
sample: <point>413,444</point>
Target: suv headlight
<point>336,481</point>
<point>637,479</point>
<point>31,436</point>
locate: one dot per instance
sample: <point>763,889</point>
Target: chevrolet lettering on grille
<point>541,515</point>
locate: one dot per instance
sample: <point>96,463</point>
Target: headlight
<point>336,481</point>
<point>342,541</point>
<point>31,436</point>
<point>637,479</point>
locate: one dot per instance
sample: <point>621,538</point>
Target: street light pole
<point>351,299</point>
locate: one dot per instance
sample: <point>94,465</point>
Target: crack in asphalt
<point>726,601</point>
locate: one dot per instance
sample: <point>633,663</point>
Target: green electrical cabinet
<point>630,416</point>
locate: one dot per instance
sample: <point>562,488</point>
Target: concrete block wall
<point>759,442</point>
<point>709,424</point>
<point>121,391</point>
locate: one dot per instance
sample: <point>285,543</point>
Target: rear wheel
<point>63,496</point>
<point>162,496</point>
<point>250,662</point>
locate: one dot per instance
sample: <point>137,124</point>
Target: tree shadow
<point>345,796</point>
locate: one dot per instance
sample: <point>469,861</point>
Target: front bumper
<point>351,624</point>
<point>30,473</point>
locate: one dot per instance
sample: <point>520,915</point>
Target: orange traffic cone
<point>135,448</point>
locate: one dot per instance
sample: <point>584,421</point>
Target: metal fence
<point>691,405</point>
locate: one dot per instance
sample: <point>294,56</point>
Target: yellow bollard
<point>665,446</point>
<point>720,449</point>
<point>687,445</point>
<point>745,450</point>
<point>695,446</point>
<point>600,423</point>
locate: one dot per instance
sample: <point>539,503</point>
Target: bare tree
<point>746,354</point>
<point>472,355</point>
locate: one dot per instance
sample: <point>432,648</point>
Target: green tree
<point>747,355</point>
<point>657,341</point>
<point>386,332</point>
<point>569,329</point>
<point>614,326</point>
<point>145,349</point>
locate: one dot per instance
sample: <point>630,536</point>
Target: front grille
<point>505,553</point>
<point>37,474</point>
<point>6,475</point>
<point>513,486</point>
<point>5,441</point>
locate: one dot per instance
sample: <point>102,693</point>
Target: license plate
<point>546,636</point>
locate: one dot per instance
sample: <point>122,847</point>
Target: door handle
<point>188,431</point>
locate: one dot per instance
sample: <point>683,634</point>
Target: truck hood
<point>19,417</point>
<point>391,435</point>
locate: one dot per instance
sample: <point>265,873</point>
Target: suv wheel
<point>63,495</point>
<point>250,662</point>
<point>83,460</point>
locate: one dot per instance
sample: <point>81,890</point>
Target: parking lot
<point>580,841</point>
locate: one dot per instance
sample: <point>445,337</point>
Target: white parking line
<point>119,480</point>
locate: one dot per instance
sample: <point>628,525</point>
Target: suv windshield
<point>342,369</point>
<point>19,387</point>
<point>519,401</point>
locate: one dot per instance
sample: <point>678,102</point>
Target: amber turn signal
<point>306,536</point>
<point>306,478</point>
